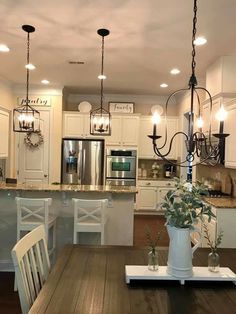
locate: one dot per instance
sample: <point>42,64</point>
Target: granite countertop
<point>221,202</point>
<point>69,188</point>
<point>155,179</point>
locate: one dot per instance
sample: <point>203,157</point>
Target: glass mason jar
<point>153,259</point>
<point>214,262</point>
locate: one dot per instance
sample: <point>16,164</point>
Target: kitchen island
<point>119,228</point>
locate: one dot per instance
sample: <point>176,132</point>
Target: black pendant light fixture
<point>100,118</point>
<point>25,117</point>
<point>199,147</point>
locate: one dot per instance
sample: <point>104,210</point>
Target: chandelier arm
<point>166,108</point>
<point>171,141</point>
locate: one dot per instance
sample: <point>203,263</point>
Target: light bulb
<point>221,114</point>
<point>199,122</point>
<point>30,66</point>
<point>199,41</point>
<point>102,77</point>
<point>156,118</point>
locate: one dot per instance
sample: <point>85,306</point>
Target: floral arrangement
<point>212,244</point>
<point>184,205</point>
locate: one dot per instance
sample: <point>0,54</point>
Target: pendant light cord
<point>193,79</point>
<point>27,70</point>
<point>102,66</point>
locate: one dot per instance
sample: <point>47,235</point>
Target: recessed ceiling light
<point>175,71</point>
<point>199,41</point>
<point>102,77</point>
<point>164,85</point>
<point>45,82</point>
<point>4,48</point>
<point>30,66</point>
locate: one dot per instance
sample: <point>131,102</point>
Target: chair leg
<point>102,238</point>
<point>75,237</point>
<point>54,237</point>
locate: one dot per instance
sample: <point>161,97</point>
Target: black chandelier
<point>199,147</point>
<point>25,117</point>
<point>100,119</point>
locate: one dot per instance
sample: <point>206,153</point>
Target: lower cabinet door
<point>161,193</point>
<point>147,198</point>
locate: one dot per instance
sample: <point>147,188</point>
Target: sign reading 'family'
<point>36,101</point>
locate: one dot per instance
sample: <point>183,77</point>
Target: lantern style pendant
<point>25,117</point>
<point>100,118</point>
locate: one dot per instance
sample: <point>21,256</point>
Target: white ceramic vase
<point>180,252</point>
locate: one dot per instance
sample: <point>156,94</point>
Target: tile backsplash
<point>215,174</point>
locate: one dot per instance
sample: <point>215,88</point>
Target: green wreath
<point>33,144</point>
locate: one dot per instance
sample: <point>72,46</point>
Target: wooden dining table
<point>91,280</point>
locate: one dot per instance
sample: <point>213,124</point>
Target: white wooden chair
<point>89,216</point>
<point>32,212</point>
<point>32,266</point>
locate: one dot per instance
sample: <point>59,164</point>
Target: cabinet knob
<point>168,183</point>
<point>45,176</point>
<point>148,183</point>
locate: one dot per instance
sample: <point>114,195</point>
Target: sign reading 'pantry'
<point>35,101</point>
<point>122,107</point>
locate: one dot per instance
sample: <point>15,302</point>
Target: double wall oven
<point>121,167</point>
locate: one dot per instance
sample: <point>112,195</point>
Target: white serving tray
<point>134,272</point>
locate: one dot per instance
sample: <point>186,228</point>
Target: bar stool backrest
<point>33,210</point>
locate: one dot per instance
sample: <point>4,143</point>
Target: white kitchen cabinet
<point>230,128</point>
<point>145,143</point>
<point>162,191</point>
<point>124,131</point>
<point>4,131</point>
<point>76,124</point>
<point>147,198</point>
<point>151,193</point>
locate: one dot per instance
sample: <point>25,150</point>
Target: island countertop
<point>69,188</point>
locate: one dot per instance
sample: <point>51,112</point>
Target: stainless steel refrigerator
<point>82,161</point>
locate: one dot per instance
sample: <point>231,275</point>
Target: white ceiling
<point>148,38</point>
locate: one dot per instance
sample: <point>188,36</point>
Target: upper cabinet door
<point>145,143</point>
<point>124,131</point>
<point>130,127</point>
<point>4,131</point>
<point>73,125</point>
<point>116,131</point>
<point>230,147</point>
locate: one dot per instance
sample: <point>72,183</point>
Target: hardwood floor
<point>9,300</point>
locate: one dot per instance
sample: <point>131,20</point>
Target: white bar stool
<point>90,216</point>
<point>32,212</point>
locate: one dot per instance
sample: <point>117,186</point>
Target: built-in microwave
<point>121,164</point>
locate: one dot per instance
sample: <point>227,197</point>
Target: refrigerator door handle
<point>79,166</point>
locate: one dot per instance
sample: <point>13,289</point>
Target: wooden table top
<point>92,280</point>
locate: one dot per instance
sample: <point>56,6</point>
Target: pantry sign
<point>35,101</point>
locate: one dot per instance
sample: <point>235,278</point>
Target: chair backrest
<point>32,265</point>
<point>33,209</point>
<point>90,211</point>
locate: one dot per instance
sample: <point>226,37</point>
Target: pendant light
<point>100,118</point>
<point>25,117</point>
<point>197,144</point>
